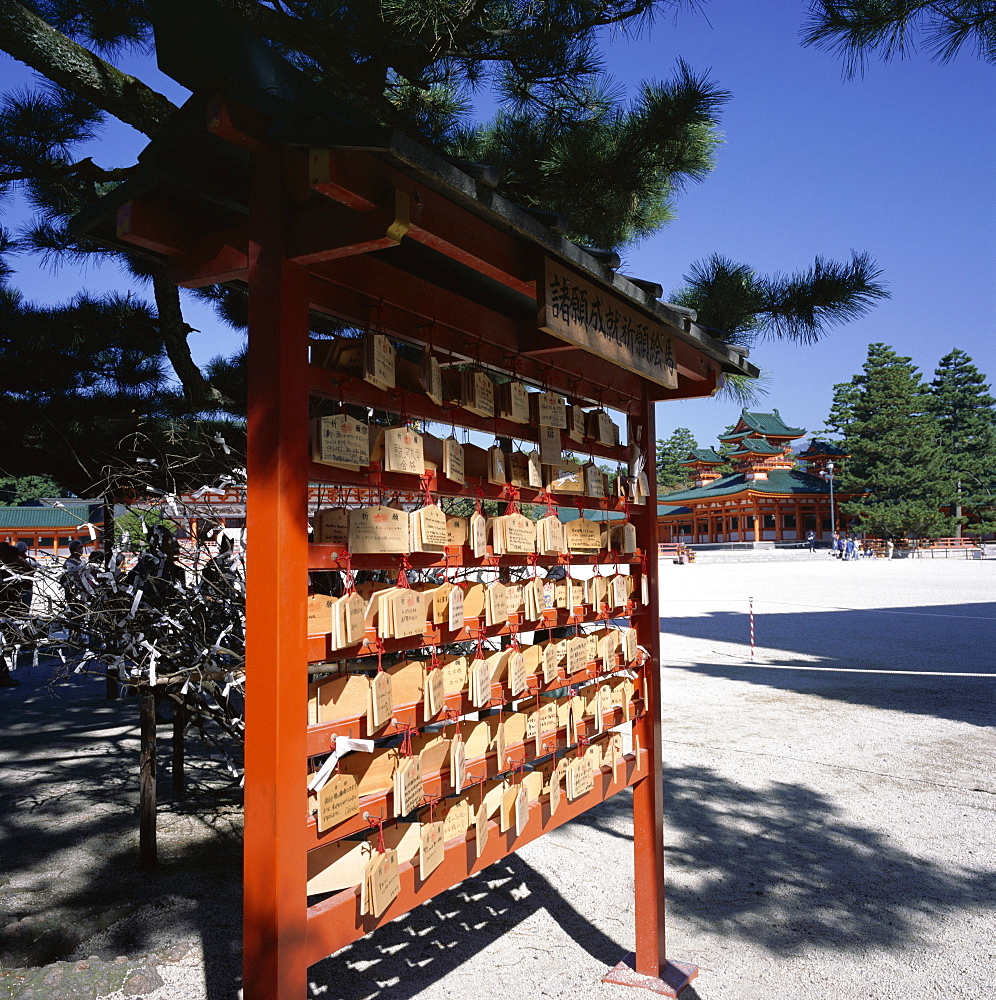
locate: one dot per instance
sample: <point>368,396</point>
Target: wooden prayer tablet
<point>535,470</point>
<point>478,535</point>
<point>349,623</point>
<point>456,610</point>
<point>403,451</point>
<point>406,682</point>
<point>409,792</point>
<point>453,461</point>
<point>518,469</point>
<point>431,378</point>
<point>496,466</point>
<point>550,537</point>
<point>454,674</point>
<point>549,410</point>
<point>341,441</point>
<point>496,605</point>
<point>431,848</point>
<point>621,538</point>
<point>337,801</point>
<point>630,645</point>
<point>583,536</point>
<point>474,598</point>
<point>456,818</point>
<point>565,477</point>
<point>513,598</point>
<point>380,530</point>
<point>344,697</point>
<point>519,534</point>
<point>321,610</point>
<point>477,393</point>
<point>457,530</point>
<point>427,529</point>
<point>475,462</point>
<point>513,402</point>
<point>550,449</point>
<point>384,881</point>
<point>381,702</point>
<point>532,599</point>
<point>332,526</point>
<point>575,423</point>
<point>378,361</point>
<point>594,480</point>
<point>599,426</point>
<point>434,692</point>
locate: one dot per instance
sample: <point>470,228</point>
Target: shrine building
<point>765,499</point>
<point>48,526</point>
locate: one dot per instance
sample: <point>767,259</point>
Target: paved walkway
<point>829,826</point>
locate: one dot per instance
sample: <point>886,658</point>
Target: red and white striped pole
<point>751,599</point>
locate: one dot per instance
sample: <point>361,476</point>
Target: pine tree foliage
<point>966,414</point>
<point>897,460</point>
<point>859,29</point>
<point>671,451</point>
<point>845,395</point>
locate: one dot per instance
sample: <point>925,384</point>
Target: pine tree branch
<point>84,169</point>
<point>30,40</point>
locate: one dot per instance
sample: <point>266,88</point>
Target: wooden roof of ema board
<point>389,231</point>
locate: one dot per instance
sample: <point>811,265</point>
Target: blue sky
<point>897,163</point>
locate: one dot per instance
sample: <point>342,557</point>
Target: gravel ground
<point>829,822</point>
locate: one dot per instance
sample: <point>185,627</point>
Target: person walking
<point>850,549</point>
<point>811,539</point>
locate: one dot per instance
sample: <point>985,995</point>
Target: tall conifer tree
<point>966,414</point>
<point>896,456</point>
<point>671,451</point>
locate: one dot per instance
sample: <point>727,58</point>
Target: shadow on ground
<point>956,638</point>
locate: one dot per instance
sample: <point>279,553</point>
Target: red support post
<point>275,908</point>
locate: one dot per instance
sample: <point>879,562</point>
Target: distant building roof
<point>762,423</point>
<point>758,446</point>
<point>705,455</point>
<point>69,515</point>
<point>780,482</point>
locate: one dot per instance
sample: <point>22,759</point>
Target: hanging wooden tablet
<point>532,599</point>
<point>350,620</point>
<point>337,801</point>
<point>431,849</point>
<point>619,586</point>
<point>380,530</point>
<point>453,461</point>
<point>428,529</point>
<point>644,590</point>
<point>456,818</point>
<point>535,470</point>
<point>597,592</point>
<point>496,608</point>
<point>549,595</point>
<point>594,481</point>
<point>479,682</point>
<point>521,810</point>
<point>478,535</point>
<point>381,702</point>
<point>474,600</point>
<point>549,410</point>
<point>500,755</point>
<point>496,533</point>
<point>565,477</point>
<point>577,655</point>
<point>403,451</point>
<point>518,469</point>
<point>575,423</point>
<point>513,402</point>
<point>321,613</point>
<point>385,882</point>
<point>341,441</point>
<point>582,777</point>
<point>378,361</point>
<point>478,393</point>
<point>551,663</point>
<point>583,536</point>
<point>575,593</point>
<point>455,674</point>
<point>455,611</point>
<point>457,531</point>
<point>332,526</point>
<point>458,764</point>
<point>520,534</point>
<point>550,537</point>
<point>549,445</point>
<point>599,426</point>
<point>481,829</point>
<point>496,466</point>
<point>516,674</point>
<point>408,613</point>
<point>435,692</point>
<point>432,378</point>
<point>513,598</point>
<point>441,603</point>
<point>554,791</point>
<point>409,784</point>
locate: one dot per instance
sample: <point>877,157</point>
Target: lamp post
<point>833,516</point>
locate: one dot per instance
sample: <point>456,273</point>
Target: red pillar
<point>275,907</point>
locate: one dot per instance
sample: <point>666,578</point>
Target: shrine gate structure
<point>262,181</point>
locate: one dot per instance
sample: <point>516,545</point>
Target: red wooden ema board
<point>416,253</point>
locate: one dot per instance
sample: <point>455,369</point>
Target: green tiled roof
<point>786,482</point>
<point>69,516</point>
<point>758,446</point>
<point>703,455</point>
<point>764,423</point>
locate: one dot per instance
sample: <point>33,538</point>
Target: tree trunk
<point>36,43</point>
<point>179,727</point>
<point>147,778</point>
